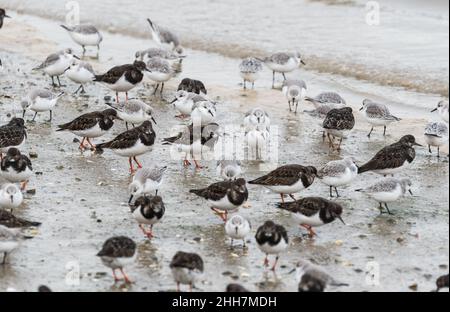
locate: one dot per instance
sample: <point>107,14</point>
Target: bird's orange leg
<point>23,185</point>
<point>131,165</point>
<point>197,165</point>
<point>310,230</point>
<point>127,280</point>
<point>137,162</point>
<point>90,143</point>
<point>275,264</point>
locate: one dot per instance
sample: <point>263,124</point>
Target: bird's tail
<point>363,168</point>
<point>197,192</point>
<point>98,77</point>
<point>283,206</point>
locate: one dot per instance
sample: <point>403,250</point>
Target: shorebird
<point>85,35</point>
<point>327,98</point>
<point>377,115</point>
<point>81,73</point>
<point>159,71</point>
<point>229,169</point>
<point>237,227</point>
<point>283,63</point>
<point>10,196</point>
<point>338,173</point>
<point>256,118</point>
<point>185,102</point>
<point>337,124</point>
<point>3,15</point>
<point>165,38</point>
<point>169,56</point>
<point>40,100</point>
<point>147,181</point>
<point>294,91</point>
<point>234,288</point>
<point>272,239</point>
<point>442,282</point>
<point>257,140</point>
<point>442,109</point>
<point>436,134</point>
<point>9,220</point>
<point>13,134</point>
<point>192,85</point>
<point>249,69</point>
<point>187,268</point>
<point>16,167</point>
<point>56,64</point>
<point>133,111</point>
<point>148,210</point>
<point>10,240</point>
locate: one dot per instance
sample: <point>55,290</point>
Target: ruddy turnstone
<point>148,210</point>
<point>13,134</point>
<point>312,278</point>
<point>294,91</point>
<point>442,282</point>
<point>85,35</point>
<point>392,158</point>
<point>387,190</point>
<point>3,15</point>
<point>40,100</point>
<point>10,240</point>
<point>272,239</point>
<point>192,85</point>
<point>436,134</point>
<point>165,38</point>
<point>159,71</point>
<point>224,196</point>
<point>10,196</point>
<point>132,143</point>
<point>123,78</point>
<point>312,212</point>
<point>185,101</point>
<point>146,181</point>
<point>9,220</point>
<point>56,64</point>
<point>377,115</point>
<point>288,179</point>
<point>255,118</point>
<point>337,124</point>
<point>249,69</point>
<point>234,288</point>
<point>81,73</point>
<point>327,98</point>
<point>186,268</point>
<point>237,228</point>
<point>442,109</point>
<point>116,253</point>
<point>169,56</point>
<point>16,167</point>
<point>229,169</point>
<point>91,125</point>
<point>338,173</point>
<point>283,63</point>
<point>43,288</point>
<point>134,111</point>
<point>257,140</point>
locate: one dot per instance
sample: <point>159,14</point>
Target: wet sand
<point>81,199</point>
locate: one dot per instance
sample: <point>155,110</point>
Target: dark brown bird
<point>186,268</point>
<point>234,288</point>
<point>9,220</point>
<point>192,85</point>
<point>337,124</point>
<point>442,282</point>
<point>272,239</point>
<point>13,134</point>
<point>2,16</point>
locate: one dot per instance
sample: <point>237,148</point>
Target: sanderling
<point>257,140</point>
<point>16,167</point>
<point>436,134</point>
<point>442,282</point>
<point>10,196</point>
<point>377,115</point>
<point>442,109</point>
<point>13,134</point>
<point>133,111</point>
<point>165,38</point>
<point>192,85</point>
<point>312,278</point>
<point>159,71</point>
<point>116,253</point>
<point>392,158</point>
<point>148,210</point>
<point>388,190</point>
<point>91,125</point>
<point>283,63</point>
<point>9,220</point>
<point>229,169</point>
<point>204,111</point>
<point>56,64</point>
<point>169,56</point>
<point>194,139</point>
<point>272,239</point>
<point>224,197</point>
<point>187,268</point>
<point>81,73</point>
<point>40,100</point>
<point>338,173</point>
<point>10,240</point>
<point>256,117</point>
<point>132,143</point>
<point>185,101</point>
<point>146,181</point>
<point>237,228</point>
<point>123,78</point>
<point>85,35</point>
<point>2,16</point>
<point>312,212</point>
<point>327,98</point>
<point>337,124</point>
<point>288,179</point>
<point>294,91</point>
<point>234,288</point>
<point>249,70</point>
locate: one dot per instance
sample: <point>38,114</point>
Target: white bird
<point>237,227</point>
<point>159,71</point>
<point>338,173</point>
<point>165,38</point>
<point>436,134</point>
<point>133,111</point>
<point>184,102</point>
<point>146,181</point>
<point>311,278</point>
<point>257,143</point>
<point>85,35</point>
<point>10,196</point>
<point>81,73</point>
<point>283,63</point>
<point>295,92</point>
<point>204,112</point>
<point>10,240</point>
<point>229,169</point>
<point>56,64</point>
<point>377,115</point>
<point>249,69</point>
<point>40,100</point>
<point>442,109</point>
<point>256,117</point>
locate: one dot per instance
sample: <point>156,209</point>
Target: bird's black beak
<point>7,16</point>
<point>410,192</point>
<point>129,201</point>
<point>153,119</point>
<point>148,70</point>
<point>303,62</point>
<point>434,110</point>
<point>12,198</point>
<point>292,271</point>
<point>66,69</point>
<point>339,217</point>
<point>211,113</point>
<point>23,114</point>
<point>76,57</point>
<point>417,144</point>
<point>361,108</point>
<point>173,101</point>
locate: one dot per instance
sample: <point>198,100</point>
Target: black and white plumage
<point>16,167</point>
<point>192,85</point>
<point>132,143</point>
<point>392,158</point>
<point>133,111</point>
<point>436,134</point>
<point>56,64</point>
<point>272,239</point>
<point>91,125</point>
<point>327,98</point>
<point>9,220</point>
<point>295,92</point>
<point>256,118</point>
<point>377,115</point>
<point>387,190</point>
<point>442,282</point>
<point>116,253</point>
<point>40,100</point>
<point>442,109</point>
<point>148,210</point>
<point>225,196</point>
<point>13,134</point>
<point>337,124</point>
<point>250,69</point>
<point>312,278</point>
<point>165,38</point>
<point>237,227</point>
<point>81,73</point>
<point>159,71</point>
<point>338,173</point>
<point>146,181</point>
<point>10,196</point>
<point>229,169</point>
<point>312,212</point>
<point>85,35</point>
<point>288,179</point>
<point>283,62</point>
<point>10,240</point>
<point>186,268</point>
<point>3,15</point>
